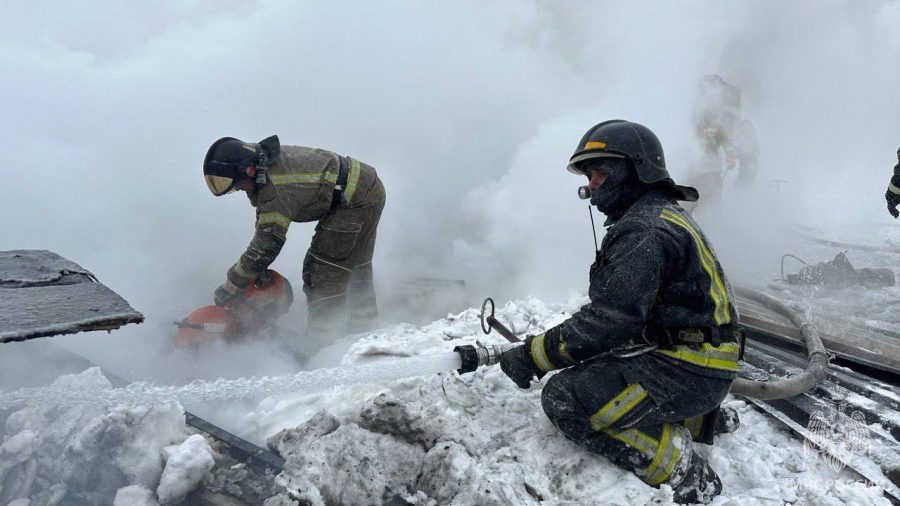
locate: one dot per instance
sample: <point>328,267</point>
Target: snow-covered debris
<point>134,495</point>
<point>477,439</point>
<point>186,465</point>
<point>84,452</point>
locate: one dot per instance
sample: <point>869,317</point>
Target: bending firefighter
<point>647,362</point>
<point>893,191</point>
<point>296,184</point>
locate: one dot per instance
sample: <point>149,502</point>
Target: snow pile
<point>92,453</point>
<point>477,439</point>
<point>186,466</point>
<point>134,495</point>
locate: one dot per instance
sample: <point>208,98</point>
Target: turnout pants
<point>337,270</point>
<point>642,413</point>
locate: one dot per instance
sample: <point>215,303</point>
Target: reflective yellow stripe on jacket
<point>274,218</point>
<point>539,354</point>
<point>724,356</point>
<point>717,291</point>
<point>303,178</point>
<point>893,189</point>
<point>352,181</point>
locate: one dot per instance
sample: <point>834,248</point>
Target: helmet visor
<point>577,167</point>
<point>219,185</point>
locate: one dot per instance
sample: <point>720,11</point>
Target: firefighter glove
<point>226,294</point>
<point>519,366</point>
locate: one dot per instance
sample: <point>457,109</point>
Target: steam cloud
<point>469,110</point>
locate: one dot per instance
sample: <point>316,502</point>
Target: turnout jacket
<point>655,270</point>
<point>894,184</point>
<point>299,188</point>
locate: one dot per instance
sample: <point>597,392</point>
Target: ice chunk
<point>134,495</point>
<point>186,465</point>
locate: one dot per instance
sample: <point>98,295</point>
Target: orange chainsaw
<point>256,309</point>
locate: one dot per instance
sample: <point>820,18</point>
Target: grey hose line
<point>795,385</point>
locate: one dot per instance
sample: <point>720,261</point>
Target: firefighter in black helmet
<point>647,362</point>
<point>893,191</point>
<point>288,184</point>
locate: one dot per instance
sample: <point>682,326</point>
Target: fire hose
<point>474,356</point>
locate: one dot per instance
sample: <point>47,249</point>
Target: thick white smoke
<point>468,109</point>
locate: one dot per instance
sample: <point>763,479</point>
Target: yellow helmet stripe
<point>717,291</point>
<point>594,145</point>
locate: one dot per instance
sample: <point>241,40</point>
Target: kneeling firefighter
<point>648,361</point>
<point>297,184</point>
<point>892,195</point>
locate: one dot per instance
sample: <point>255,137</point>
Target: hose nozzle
<point>477,355</point>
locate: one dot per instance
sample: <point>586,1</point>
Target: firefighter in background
<point>728,142</point>
<point>289,184</point>
<point>647,362</point>
<point>893,190</point>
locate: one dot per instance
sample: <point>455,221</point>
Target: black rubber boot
<point>700,484</point>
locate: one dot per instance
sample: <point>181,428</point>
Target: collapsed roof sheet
<point>43,294</point>
<point>862,345</point>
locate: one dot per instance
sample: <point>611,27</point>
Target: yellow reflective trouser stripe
<point>539,355</point>
<point>694,425</point>
<point>352,181</point>
<point>618,406</point>
<point>724,356</point>
<point>276,218</point>
<point>893,189</point>
<point>667,455</point>
<point>717,291</point>
<point>239,269</point>
<point>636,439</point>
<point>312,177</point>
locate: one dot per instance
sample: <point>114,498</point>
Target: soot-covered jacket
<point>300,188</point>
<point>654,267</point>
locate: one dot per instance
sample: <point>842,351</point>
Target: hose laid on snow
<point>796,385</point>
